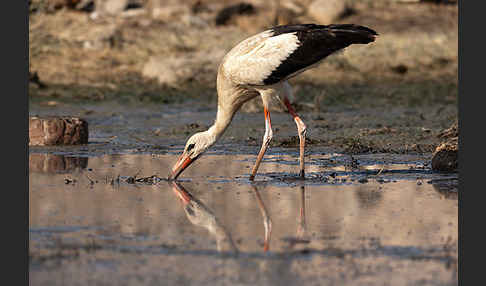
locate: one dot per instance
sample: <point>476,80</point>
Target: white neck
<point>223,120</point>
<point>230,98</point>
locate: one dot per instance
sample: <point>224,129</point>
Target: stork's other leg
<point>266,139</point>
<point>301,128</point>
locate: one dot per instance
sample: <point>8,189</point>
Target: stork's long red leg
<point>266,141</point>
<point>301,128</point>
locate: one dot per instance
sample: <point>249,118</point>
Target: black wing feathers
<point>316,43</point>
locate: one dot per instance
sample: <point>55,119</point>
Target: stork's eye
<point>190,147</point>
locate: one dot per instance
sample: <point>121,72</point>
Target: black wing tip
<point>369,30</point>
<point>356,33</point>
<point>311,26</point>
<point>352,27</point>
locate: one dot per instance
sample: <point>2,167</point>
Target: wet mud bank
<point>354,128</point>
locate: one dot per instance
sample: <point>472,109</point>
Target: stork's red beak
<point>182,163</point>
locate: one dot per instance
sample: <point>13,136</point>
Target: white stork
<point>261,65</point>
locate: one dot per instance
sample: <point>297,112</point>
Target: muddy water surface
<point>92,222</point>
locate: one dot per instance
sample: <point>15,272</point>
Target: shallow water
<point>86,212</point>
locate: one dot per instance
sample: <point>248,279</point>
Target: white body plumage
<point>254,59</point>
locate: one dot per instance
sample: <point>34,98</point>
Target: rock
<point>326,11</point>
<point>445,157</point>
<point>57,131</point>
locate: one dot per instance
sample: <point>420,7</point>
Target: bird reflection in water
<point>200,215</point>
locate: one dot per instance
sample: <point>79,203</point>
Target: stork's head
<point>195,147</point>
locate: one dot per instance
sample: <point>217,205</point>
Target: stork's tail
<point>355,34</point>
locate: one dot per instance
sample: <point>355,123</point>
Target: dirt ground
<point>376,212</point>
